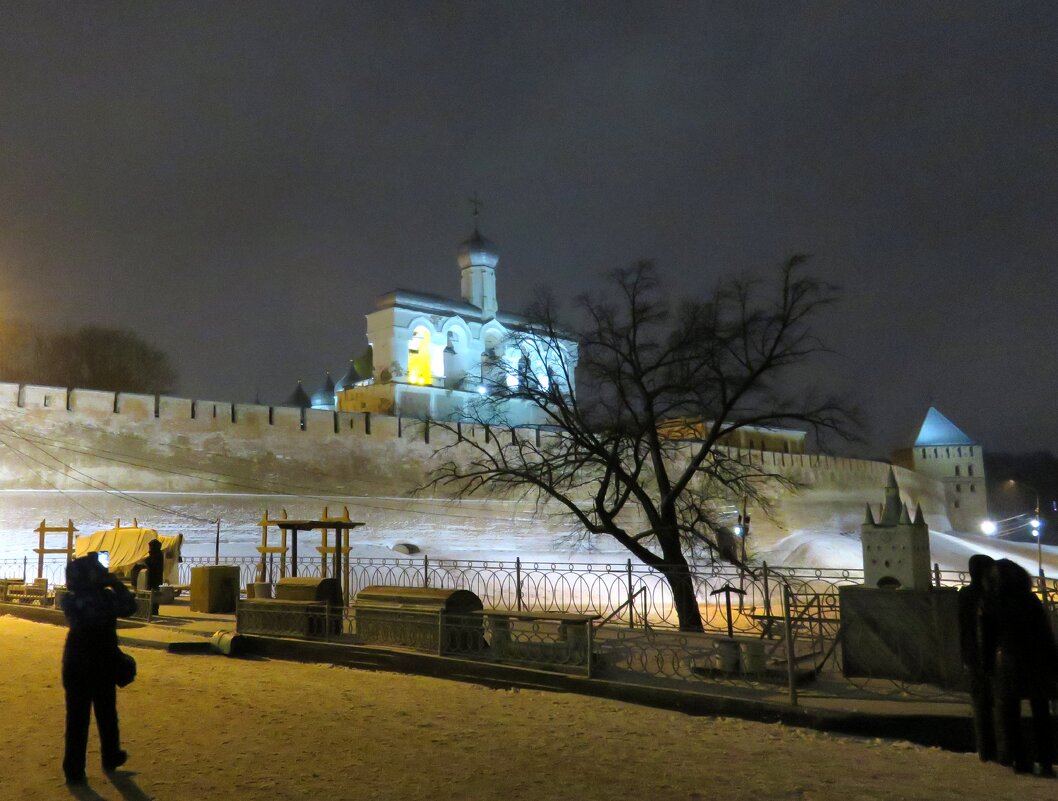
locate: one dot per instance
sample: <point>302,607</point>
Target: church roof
<point>939,430</point>
<point>438,304</point>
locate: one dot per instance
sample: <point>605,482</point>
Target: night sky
<point>237,182</point>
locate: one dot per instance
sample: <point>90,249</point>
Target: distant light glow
<point>1035,523</point>
<point>512,381</point>
<point>988,527</point>
<point>738,531</point>
<point>481,390</point>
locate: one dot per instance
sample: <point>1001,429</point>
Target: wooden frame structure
<point>339,552</point>
<point>40,550</point>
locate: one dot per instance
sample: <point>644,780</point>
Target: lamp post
<point>1036,523</point>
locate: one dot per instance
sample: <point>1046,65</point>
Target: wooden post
<point>345,548</point>
<point>40,549</point>
<point>216,545</point>
<point>294,552</point>
<point>338,555</point>
<point>264,543</point>
<point>323,554</point>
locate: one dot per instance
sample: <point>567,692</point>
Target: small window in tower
<point>956,469</point>
<point>972,488</point>
<point>969,469</point>
<point>958,452</point>
<point>958,487</point>
<point>923,453</point>
<point>947,452</point>
<point>934,453</point>
<point>971,450</point>
<point>956,503</point>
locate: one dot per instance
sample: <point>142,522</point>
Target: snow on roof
<point>939,430</point>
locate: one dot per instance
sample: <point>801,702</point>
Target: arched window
<point>956,469</point>
<point>958,452</point>
<point>923,453</point>
<point>419,371</point>
<point>969,469</point>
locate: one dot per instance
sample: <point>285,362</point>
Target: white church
<point>433,358</point>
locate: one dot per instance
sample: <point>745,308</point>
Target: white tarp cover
<point>127,546</point>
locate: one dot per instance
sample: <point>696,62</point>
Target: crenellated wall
<point>65,439</point>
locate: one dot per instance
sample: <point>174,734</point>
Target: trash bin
<point>727,654</point>
<point>214,589</point>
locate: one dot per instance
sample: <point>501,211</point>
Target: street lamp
<point>1036,523</point>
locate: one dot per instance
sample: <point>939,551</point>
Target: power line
<point>107,487</point>
<point>208,475</point>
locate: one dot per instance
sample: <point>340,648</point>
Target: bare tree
<point>92,357</point>
<point>637,452</point>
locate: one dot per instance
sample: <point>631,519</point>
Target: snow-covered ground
<point>206,727</point>
<point>484,530</point>
<point>949,551</point>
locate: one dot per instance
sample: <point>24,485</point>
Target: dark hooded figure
<point>1017,637</point>
<point>155,565</point>
<point>94,602</point>
<point>971,630</point>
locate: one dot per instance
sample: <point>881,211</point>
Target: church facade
<point>434,358</point>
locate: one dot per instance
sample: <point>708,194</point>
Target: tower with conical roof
<point>942,451</point>
<point>895,547</point>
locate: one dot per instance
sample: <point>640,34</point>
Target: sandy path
<point>205,727</point>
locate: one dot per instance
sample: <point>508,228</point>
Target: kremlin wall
<point>224,460</point>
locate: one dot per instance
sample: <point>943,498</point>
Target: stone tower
<point>895,548</point>
<point>477,259</point>
<point>945,453</point>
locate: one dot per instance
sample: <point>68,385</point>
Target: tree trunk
<point>683,597</point>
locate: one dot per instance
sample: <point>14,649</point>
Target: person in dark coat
<point>1024,665</point>
<point>971,629</point>
<point>93,603</point>
<point>155,565</point>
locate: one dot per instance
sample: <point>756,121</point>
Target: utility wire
<point>209,475</point>
<point>104,485</point>
<point>24,457</point>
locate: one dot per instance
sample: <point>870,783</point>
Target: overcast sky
<point>238,181</point>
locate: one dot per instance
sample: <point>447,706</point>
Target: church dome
<point>323,398</point>
<point>477,251</point>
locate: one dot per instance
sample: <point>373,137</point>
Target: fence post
<point>936,575</point>
<point>631,598</point>
<point>518,581</point>
<point>24,569</point>
<point>426,571</point>
<point>767,592</point>
<point>791,672</point>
